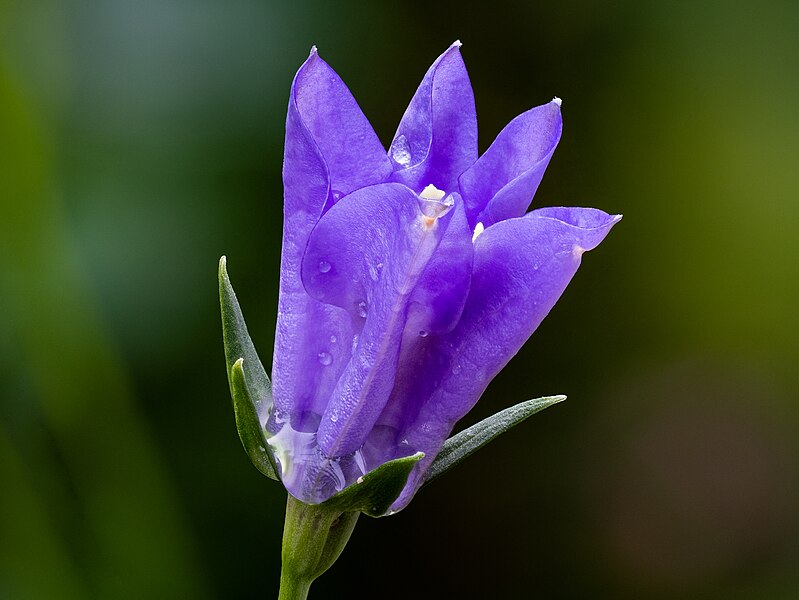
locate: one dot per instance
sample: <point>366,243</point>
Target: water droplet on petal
<point>423,333</point>
<point>333,339</point>
<point>362,307</point>
<point>456,369</point>
<point>374,273</point>
<point>336,195</point>
<point>325,358</point>
<point>324,266</point>
<point>400,151</point>
<point>333,418</point>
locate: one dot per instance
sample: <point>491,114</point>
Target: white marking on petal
<point>478,229</point>
<point>557,100</point>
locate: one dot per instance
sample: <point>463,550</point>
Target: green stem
<point>293,589</point>
<point>313,538</point>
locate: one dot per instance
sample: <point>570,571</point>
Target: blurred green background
<point>140,140</point>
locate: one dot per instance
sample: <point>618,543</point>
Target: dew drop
<point>456,369</point>
<point>336,195</point>
<point>333,418</point>
<point>324,266</point>
<point>400,151</point>
<point>374,273</point>
<point>333,339</point>
<point>362,309</point>
<point>325,358</point>
<point>423,333</point>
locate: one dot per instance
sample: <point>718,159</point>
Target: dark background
<point>140,140</point>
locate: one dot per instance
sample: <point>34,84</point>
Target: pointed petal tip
<point>557,100</point>
<point>313,57</point>
<point>454,48</point>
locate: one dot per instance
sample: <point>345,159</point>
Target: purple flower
<point>409,278</point>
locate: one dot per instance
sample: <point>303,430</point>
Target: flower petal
<point>439,297</point>
<point>436,140</point>
<point>501,184</point>
<point>349,146</point>
<point>521,267</point>
<point>303,324</point>
<point>436,307</point>
<point>366,256</point>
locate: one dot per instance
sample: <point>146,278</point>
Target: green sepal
<point>374,493</point>
<point>249,426</point>
<point>250,387</point>
<point>468,441</point>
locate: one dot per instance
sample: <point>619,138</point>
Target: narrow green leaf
<point>374,493</point>
<point>247,422</point>
<point>468,441</point>
<point>250,387</point>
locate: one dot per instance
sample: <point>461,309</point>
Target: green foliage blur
<point>142,139</point>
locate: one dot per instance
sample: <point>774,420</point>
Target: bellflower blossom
<point>409,278</point>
